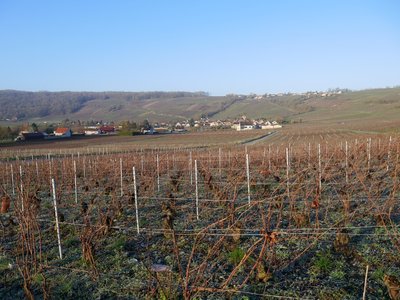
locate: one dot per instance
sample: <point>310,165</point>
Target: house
<point>106,129</point>
<point>30,136</point>
<point>92,131</point>
<point>63,132</point>
<point>148,131</point>
<point>270,125</point>
<point>244,125</point>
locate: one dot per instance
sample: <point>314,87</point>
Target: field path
<point>259,139</point>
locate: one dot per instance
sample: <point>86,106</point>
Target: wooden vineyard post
<point>75,184</point>
<point>368,154</point>
<point>347,162</point>
<point>37,169</point>
<point>56,215</point>
<point>136,200</point>
<point>309,155</point>
<point>121,178</point>
<point>248,177</point>
<point>84,167</point>
<point>263,160</point>
<point>158,174</point>
<point>365,283</point>
<point>287,172</point>
<point>269,157</point>
<point>219,161</point>
<point>21,187</point>
<point>197,189</point>
<point>190,168</point>
<point>50,173</point>
<point>12,180</point>
<point>388,155</point>
<point>319,169</point>
<point>167,165</point>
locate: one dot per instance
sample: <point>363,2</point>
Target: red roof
<point>106,128</point>
<point>61,130</point>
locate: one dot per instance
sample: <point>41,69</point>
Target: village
<point>102,129</point>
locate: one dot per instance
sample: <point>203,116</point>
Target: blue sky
<point>219,46</point>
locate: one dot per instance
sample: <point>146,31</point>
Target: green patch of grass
<point>236,255</point>
<point>333,294</point>
<point>324,262</point>
<point>118,243</point>
<point>378,274</point>
<point>337,274</point>
<point>4,263</point>
<point>71,241</point>
<point>38,278</point>
<point>66,286</point>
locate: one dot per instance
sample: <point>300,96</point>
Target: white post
<point>56,215</point>
<point>120,168</point>
<point>75,183</point>
<point>197,189</point>
<point>248,177</point>
<point>158,174</point>
<point>365,282</point>
<point>12,180</point>
<point>136,199</point>
<point>37,169</point>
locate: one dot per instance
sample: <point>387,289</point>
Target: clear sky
<point>218,46</point>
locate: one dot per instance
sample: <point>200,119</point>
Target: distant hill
<point>374,105</point>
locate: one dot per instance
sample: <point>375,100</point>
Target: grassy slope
<point>374,105</point>
<point>152,109</point>
<point>378,105</point>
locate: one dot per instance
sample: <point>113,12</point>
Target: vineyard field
<point>287,218</point>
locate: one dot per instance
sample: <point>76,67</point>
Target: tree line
<point>20,105</point>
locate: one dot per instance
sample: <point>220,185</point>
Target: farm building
<point>30,136</point>
<point>270,125</point>
<point>107,129</point>
<point>63,132</point>
<point>92,131</point>
<point>244,125</point>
